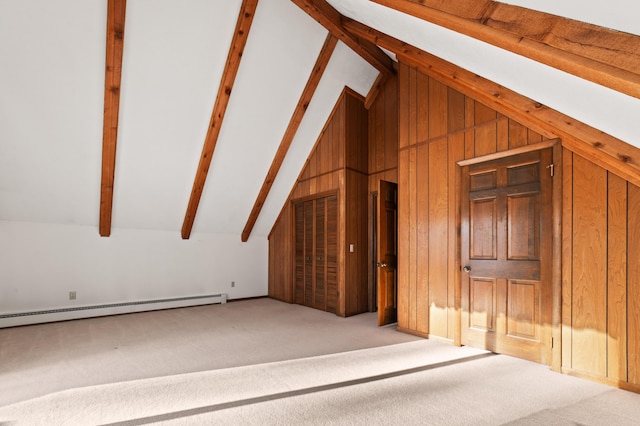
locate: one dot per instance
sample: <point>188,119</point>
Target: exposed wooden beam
<point>116,11</point>
<point>331,19</point>
<point>289,134</point>
<point>617,156</point>
<point>375,90</point>
<point>240,35</point>
<point>603,56</point>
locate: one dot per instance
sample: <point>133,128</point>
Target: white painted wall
<point>41,263</point>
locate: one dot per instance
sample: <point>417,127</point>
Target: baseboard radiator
<point>76,312</point>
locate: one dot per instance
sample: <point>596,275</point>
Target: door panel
<point>523,306</point>
<point>506,286</point>
<point>308,253</point>
<point>298,293</point>
<point>482,304</point>
<point>319,285</point>
<point>483,224</point>
<point>316,253</point>
<point>387,212</point>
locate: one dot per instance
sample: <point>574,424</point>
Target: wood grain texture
<point>438,219</point>
<point>240,35</point>
<point>617,278</point>
<point>606,57</point>
<point>415,299</point>
<point>589,310</point>
<point>438,109</point>
<point>298,114</point>
<point>617,156</point>
<point>333,167</point>
<point>456,153</point>
<point>116,12</point>
<point>329,18</point>
<point>403,105</point>
<point>633,283</point>
<point>423,258</point>
<point>567,259</point>
<point>403,234</point>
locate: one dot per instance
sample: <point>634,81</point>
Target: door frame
<point>556,241</point>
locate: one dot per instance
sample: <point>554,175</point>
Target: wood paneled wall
<point>383,135</point>
<point>438,126</point>
<point>383,160</point>
<point>601,274</point>
<point>338,163</point>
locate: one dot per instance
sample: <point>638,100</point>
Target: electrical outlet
<point>233,283</point>
<point>72,295</point>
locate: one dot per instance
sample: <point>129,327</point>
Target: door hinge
<point>552,343</point>
<point>550,167</point>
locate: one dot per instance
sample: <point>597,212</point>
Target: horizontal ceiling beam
<point>298,114</point>
<point>240,35</point>
<point>619,157</point>
<point>116,11</point>
<point>331,19</point>
<point>603,56</point>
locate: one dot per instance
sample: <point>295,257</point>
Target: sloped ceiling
<point>52,95</point>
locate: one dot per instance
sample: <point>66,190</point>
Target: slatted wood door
<point>387,214</point>
<point>506,255</point>
<point>316,253</point>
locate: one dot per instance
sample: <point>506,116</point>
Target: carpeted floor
<point>266,362</point>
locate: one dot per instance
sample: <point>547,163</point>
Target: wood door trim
<point>315,196</point>
<point>516,151</point>
<point>556,240</point>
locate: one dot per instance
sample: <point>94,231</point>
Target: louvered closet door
<point>316,253</point>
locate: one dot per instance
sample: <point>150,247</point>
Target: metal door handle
<point>381,265</point>
<point>467,268</point>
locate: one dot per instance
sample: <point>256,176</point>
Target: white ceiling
<point>52,90</point>
<point>605,109</point>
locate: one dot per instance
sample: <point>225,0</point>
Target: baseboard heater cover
<point>223,299</point>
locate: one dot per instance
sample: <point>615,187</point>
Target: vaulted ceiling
<point>170,103</point>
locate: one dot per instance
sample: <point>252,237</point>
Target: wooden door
<point>387,226</point>
<point>316,253</point>
<point>506,255</point>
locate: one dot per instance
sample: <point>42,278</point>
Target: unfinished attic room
<point>361,212</point>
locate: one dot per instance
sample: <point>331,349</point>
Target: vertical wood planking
<point>413,110</point>
<point>403,235</point>
<point>423,107</point>
<point>438,221</point>
<point>567,258</point>
<point>414,297</point>
<point>617,278</point>
<point>456,153</point>
<point>486,132</point>
<point>391,124</point>
<point>633,282</point>
<point>589,268</point>
<point>469,135</point>
<point>438,109</point>
<point>423,238</point>
<point>403,106</point>
<point>502,142</point>
<point>455,115</point>
<point>518,135</point>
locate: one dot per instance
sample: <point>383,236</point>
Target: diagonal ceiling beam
<point>116,10</point>
<point>619,157</point>
<point>289,134</point>
<point>241,33</point>
<point>331,19</point>
<point>603,56</point>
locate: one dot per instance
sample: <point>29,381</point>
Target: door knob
<point>467,268</point>
<point>381,265</point>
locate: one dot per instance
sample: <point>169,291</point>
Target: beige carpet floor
<point>265,362</point>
